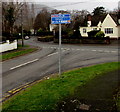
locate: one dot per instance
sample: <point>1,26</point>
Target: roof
<point>96,19</point>
<point>115,18</point>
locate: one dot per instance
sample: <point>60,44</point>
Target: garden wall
<point>8,46</point>
<point>84,40</point>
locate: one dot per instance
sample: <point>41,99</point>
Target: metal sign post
<point>60,19</point>
<point>59,49</point>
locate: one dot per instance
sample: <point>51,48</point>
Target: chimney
<point>89,20</point>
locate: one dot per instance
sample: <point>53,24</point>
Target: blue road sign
<point>60,18</point>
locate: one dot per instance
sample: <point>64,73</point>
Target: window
<point>108,30</point>
<point>84,30</point>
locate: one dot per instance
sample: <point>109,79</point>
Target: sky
<point>89,5</point>
<point>84,5</point>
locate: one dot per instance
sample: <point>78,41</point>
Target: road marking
<point>107,51</point>
<point>94,50</point>
<point>52,54</point>
<point>24,64</point>
<point>114,51</point>
<point>67,49</point>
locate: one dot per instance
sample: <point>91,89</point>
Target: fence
<point>8,46</point>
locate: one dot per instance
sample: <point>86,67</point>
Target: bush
<point>45,38</point>
<point>6,34</point>
<point>92,33</point>
<point>2,39</point>
<point>100,34</point>
<point>76,34</point>
<point>16,35</point>
<point>26,33</point>
<point>44,33</point>
<point>69,34</point>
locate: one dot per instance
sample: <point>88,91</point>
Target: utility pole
<point>22,27</point>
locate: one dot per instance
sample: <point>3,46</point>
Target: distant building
<point>108,24</point>
<point>52,27</point>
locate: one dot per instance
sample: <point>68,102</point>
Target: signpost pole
<point>60,19</point>
<point>59,49</point>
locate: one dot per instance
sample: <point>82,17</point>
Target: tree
<point>79,18</point>
<point>10,13</point>
<point>42,20</point>
<point>99,11</point>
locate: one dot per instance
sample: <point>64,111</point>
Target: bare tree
<point>42,20</point>
<point>10,13</point>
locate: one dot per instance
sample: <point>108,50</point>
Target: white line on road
<point>94,50</point>
<point>114,51</point>
<point>107,51</point>
<point>67,49</point>
<point>24,64</point>
<point>52,54</point>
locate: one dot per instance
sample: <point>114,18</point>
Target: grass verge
<point>19,52</point>
<point>45,95</point>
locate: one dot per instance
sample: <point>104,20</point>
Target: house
<point>52,26</point>
<point>107,23</point>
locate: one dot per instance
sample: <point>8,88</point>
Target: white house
<point>108,24</point>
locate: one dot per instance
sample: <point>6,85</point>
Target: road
<point>24,69</point>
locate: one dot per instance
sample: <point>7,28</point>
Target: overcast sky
<point>78,4</point>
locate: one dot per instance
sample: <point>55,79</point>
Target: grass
<point>45,95</point>
<point>20,46</point>
<point>19,52</point>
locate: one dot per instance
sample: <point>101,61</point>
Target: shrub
<point>45,38</point>
<point>3,39</point>
<point>70,34</point>
<point>76,34</point>
<point>100,34</point>
<point>26,33</point>
<point>92,33</point>
<point>40,30</point>
<point>16,35</point>
<point>6,34</point>
<point>44,33</point>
